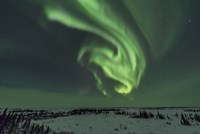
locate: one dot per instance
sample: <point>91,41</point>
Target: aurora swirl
<point>116,52</point>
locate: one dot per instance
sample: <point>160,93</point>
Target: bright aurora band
<point>120,59</point>
<point>99,53</point>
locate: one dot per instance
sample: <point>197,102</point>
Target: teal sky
<point>103,54</point>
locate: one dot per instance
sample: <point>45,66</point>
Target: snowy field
<point>112,121</point>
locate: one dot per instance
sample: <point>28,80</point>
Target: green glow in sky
<point>115,53</point>
<point>96,53</point>
<point>116,56</point>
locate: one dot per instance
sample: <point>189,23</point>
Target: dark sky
<point>38,64</point>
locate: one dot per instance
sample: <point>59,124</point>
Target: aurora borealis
<point>120,60</point>
<point>99,53</point>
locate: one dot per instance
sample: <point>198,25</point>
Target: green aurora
<point>99,53</point>
<point>116,58</point>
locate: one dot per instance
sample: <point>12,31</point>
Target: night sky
<point>39,52</point>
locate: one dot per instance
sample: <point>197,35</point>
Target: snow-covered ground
<point>127,121</point>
